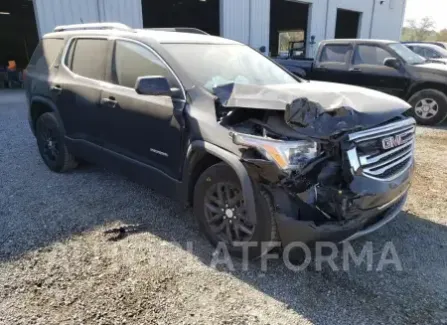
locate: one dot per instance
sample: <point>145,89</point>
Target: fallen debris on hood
<point>315,109</point>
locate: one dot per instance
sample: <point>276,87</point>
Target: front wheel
<point>220,210</point>
<point>429,106</point>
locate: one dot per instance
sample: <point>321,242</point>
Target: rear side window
<point>132,60</point>
<point>338,53</point>
<point>418,50</point>
<point>88,58</point>
<point>369,54</point>
<point>46,54</point>
<point>431,54</point>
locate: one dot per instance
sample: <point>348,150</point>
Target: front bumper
<point>291,230</point>
<point>324,213</point>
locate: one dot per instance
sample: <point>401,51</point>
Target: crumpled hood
<point>318,109</point>
<point>433,67</point>
<point>440,60</point>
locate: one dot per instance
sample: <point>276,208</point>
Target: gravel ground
<point>59,266</point>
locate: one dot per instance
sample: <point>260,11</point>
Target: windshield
<point>216,65</point>
<point>406,54</point>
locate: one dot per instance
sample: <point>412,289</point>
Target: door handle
<point>109,101</point>
<point>56,89</point>
<point>355,70</point>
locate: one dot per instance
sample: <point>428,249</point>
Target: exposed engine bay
<point>303,183</point>
<point>298,150</point>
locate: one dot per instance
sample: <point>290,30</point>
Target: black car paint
<point>118,132</point>
<point>402,82</point>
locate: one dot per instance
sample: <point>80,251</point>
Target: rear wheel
<point>220,209</point>
<point>50,140</point>
<point>429,106</point>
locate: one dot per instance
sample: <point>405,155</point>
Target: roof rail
<point>181,30</point>
<point>93,26</point>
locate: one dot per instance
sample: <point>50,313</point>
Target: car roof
<point>357,40</point>
<point>429,45</point>
<point>181,37</point>
<point>162,37</point>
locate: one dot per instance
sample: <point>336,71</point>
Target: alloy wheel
<point>50,144</point>
<point>426,108</point>
<point>226,214</point>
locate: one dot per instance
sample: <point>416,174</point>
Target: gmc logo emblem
<point>395,141</point>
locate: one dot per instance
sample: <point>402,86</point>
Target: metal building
<point>275,25</point>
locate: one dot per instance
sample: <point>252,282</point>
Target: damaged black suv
<point>260,154</point>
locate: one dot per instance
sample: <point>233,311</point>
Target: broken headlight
<point>287,155</point>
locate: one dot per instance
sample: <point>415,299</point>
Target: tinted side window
<point>431,54</point>
<point>419,50</point>
<point>89,58</point>
<point>335,53</point>
<point>46,54</point>
<point>373,55</point>
<point>132,61</point>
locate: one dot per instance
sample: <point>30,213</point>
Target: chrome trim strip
<point>394,176</point>
<point>388,166</point>
<point>113,38</point>
<point>353,159</point>
<point>357,163</point>
<point>390,161</point>
<point>366,160</point>
<point>93,26</point>
<point>389,127</point>
<point>384,134</point>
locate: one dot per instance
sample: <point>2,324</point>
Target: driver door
<point>144,128</point>
<point>368,70</point>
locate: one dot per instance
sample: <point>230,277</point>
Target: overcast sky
<point>436,9</point>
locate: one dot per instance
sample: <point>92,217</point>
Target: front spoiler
<point>292,230</point>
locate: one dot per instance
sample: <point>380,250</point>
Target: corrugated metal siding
<point>365,7</point>
<point>388,20</point>
<point>260,24</point>
<point>316,25</point>
<point>50,13</point>
<point>128,12</point>
<point>235,22</point>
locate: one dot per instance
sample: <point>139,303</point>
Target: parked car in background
<point>386,66</point>
<point>439,44</point>
<point>260,154</point>
<point>430,52</point>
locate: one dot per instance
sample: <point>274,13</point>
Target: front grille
<point>384,152</point>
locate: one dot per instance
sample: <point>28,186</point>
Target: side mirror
<point>262,49</point>
<point>153,86</point>
<point>392,63</point>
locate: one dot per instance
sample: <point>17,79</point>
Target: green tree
<point>423,30</point>
<point>442,36</point>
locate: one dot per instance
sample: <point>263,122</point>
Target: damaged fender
<point>238,167</point>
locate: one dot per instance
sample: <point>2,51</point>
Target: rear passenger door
<point>368,70</point>
<point>333,63</point>
<point>43,67</point>
<point>78,86</point>
<point>141,127</point>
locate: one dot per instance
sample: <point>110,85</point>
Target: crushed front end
<point>333,174</point>
<point>355,184</point>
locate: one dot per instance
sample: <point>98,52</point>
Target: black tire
<point>264,231</point>
<point>51,143</point>
<point>429,96</point>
